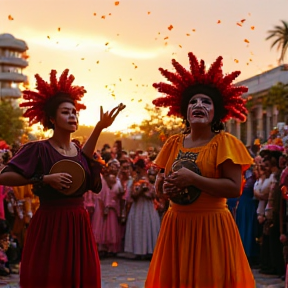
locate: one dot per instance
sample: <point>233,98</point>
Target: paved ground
<point>123,273</point>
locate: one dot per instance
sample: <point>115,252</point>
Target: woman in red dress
<point>60,251</point>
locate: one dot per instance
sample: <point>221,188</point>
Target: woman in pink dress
<point>105,223</point>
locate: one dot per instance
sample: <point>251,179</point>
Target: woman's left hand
<point>181,178</point>
<point>107,118</point>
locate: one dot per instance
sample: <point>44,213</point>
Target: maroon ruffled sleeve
<point>95,168</point>
<point>26,160</point>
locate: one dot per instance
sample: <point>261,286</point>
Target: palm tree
<point>280,34</point>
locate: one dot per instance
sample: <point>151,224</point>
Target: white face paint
<point>200,109</point>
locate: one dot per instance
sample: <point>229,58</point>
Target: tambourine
<point>74,169</point>
<point>189,194</point>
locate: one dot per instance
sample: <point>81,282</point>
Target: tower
<point>12,62</point>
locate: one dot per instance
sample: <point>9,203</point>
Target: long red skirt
<point>60,250</point>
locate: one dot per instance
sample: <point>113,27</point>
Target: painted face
<point>66,117</point>
<point>200,109</point>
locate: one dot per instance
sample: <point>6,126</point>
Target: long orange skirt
<point>199,246</point>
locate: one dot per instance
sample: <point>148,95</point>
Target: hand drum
<point>72,168</point>
<point>189,194</point>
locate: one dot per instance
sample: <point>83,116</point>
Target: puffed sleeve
<point>95,168</point>
<point>168,151</point>
<point>26,160</point>
<point>229,147</point>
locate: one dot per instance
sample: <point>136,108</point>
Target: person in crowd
<point>54,254</point>
<point>272,215</point>
<point>106,153</point>
<point>143,222</point>
<point>284,217</point>
<point>261,193</point>
<point>5,269</point>
<point>246,216</point>
<point>199,243</point>
<point>126,200</point>
<point>105,221</point>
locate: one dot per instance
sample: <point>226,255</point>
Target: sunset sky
<point>115,50</point>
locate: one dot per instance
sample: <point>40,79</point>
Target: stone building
<point>13,59</point>
<point>260,121</point>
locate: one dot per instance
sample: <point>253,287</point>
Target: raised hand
<point>107,118</point>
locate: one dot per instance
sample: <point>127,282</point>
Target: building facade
<point>260,121</point>
<point>13,59</point>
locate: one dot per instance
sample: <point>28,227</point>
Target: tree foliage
<point>157,128</point>
<point>11,123</point>
<point>277,95</point>
<point>280,35</point>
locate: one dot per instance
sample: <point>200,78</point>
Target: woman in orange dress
<point>199,244</point>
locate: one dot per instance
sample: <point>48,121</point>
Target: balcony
<point>14,93</point>
<point>12,77</point>
<point>13,61</point>
<point>7,41</point>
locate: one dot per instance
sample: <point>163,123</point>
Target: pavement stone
<point>127,273</point>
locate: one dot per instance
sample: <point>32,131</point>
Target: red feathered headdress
<point>234,105</point>
<point>37,101</point>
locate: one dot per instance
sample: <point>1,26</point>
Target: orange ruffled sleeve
<point>167,154</point>
<point>229,147</point>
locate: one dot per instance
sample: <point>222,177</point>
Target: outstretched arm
<point>13,179</point>
<point>106,119</point>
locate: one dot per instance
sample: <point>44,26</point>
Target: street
<point>124,273</point>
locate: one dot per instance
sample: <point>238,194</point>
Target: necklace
<point>58,145</point>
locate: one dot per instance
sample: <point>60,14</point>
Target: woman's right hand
<point>58,181</point>
<point>170,190</point>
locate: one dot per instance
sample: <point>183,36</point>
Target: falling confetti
<point>109,14</point>
<point>250,60</point>
<point>148,12</point>
<point>59,29</point>
<point>135,66</point>
<point>236,61</point>
<point>166,38</point>
<point>82,58</point>
<point>97,62</point>
<point>48,37</point>
<point>132,99</point>
<point>116,3</point>
<point>170,27</point>
<point>219,21</point>
<point>239,24</point>
<point>247,41</point>
<point>187,34</point>
<point>103,17</point>
<point>180,46</point>
<point>140,100</point>
<point>10,18</point>
<point>94,14</point>
<point>243,20</point>
<point>114,264</point>
<point>252,27</point>
<point>193,30</point>
<point>107,43</point>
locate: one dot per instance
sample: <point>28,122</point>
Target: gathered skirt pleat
<point>199,247</point>
<point>60,250</point>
